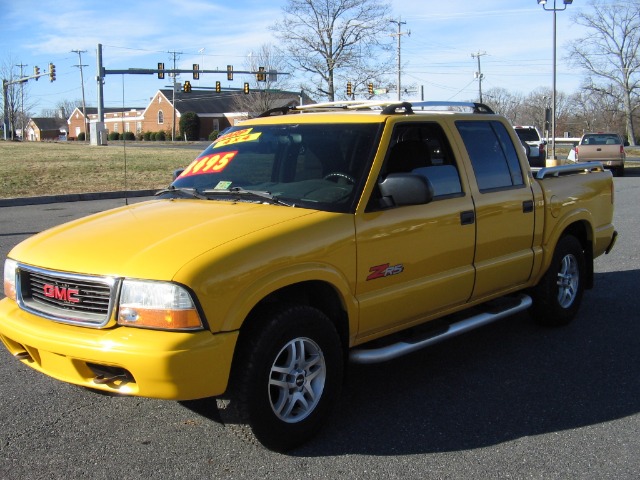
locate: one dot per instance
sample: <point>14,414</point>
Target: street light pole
<point>553,93</point>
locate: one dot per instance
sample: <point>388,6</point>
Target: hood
<point>148,240</point>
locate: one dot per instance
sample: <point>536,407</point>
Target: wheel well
<point>582,232</point>
<point>317,294</point>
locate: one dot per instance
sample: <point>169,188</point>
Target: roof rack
<point>385,107</point>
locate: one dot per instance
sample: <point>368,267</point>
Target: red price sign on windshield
<point>208,164</point>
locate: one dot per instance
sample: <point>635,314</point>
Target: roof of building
<point>49,123</point>
<point>208,101</point>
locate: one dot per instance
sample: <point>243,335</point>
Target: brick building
<point>216,111</point>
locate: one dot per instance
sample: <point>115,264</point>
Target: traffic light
<point>36,72</point>
<point>196,73</point>
<point>261,76</point>
<point>349,90</point>
<point>370,88</point>
<point>52,72</point>
<point>246,88</point>
<point>187,86</point>
<point>218,87</point>
<point>160,70</point>
<point>229,72</point>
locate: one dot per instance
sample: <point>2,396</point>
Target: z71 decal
<point>385,270</point>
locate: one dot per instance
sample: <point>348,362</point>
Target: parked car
<point>530,135</point>
<point>607,148</point>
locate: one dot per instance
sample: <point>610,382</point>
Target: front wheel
<point>286,377</point>
<point>557,298</point>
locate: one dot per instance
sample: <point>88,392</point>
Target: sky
<point>513,37</point>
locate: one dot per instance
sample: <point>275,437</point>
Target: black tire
<point>557,298</point>
<point>286,377</point>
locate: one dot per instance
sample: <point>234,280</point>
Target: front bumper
<point>123,360</point>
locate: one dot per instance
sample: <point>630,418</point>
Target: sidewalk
<point>74,197</point>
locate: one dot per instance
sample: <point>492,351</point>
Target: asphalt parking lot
<point>511,400</point>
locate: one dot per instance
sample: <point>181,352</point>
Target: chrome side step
<point>389,352</point>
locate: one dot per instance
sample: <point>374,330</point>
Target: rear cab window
<point>492,153</point>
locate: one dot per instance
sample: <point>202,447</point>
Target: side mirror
<point>400,189</point>
<point>177,172</point>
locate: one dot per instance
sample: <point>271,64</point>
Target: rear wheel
<point>557,298</point>
<point>286,377</point>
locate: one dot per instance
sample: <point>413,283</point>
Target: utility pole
<point>22,65</point>
<point>98,137</point>
<point>84,107</point>
<point>399,35</point>
<point>173,100</point>
<point>478,74</point>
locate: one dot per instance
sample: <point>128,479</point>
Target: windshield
<point>320,166</point>
<point>528,134</point>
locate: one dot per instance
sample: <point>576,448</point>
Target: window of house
<point>127,127</point>
<point>115,127</point>
<point>160,117</point>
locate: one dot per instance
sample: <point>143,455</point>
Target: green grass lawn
<point>47,168</point>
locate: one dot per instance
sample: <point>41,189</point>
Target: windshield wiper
<point>240,193</point>
<point>189,192</point>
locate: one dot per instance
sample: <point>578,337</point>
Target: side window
<point>423,149</point>
<point>493,156</point>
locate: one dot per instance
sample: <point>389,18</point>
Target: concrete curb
<point>74,197</point>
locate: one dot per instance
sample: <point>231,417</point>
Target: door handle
<point>468,217</point>
<point>527,206</point>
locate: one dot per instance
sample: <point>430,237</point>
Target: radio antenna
<point>124,148</point>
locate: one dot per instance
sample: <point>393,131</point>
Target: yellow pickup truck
<point>301,241</point>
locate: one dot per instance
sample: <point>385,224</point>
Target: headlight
<point>10,268</point>
<point>159,305</point>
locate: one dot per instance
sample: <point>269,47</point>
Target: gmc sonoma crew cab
<point>301,241</point>
<point>606,148</point>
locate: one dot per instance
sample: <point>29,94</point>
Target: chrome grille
<point>77,299</point>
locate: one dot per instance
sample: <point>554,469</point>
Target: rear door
<point>504,206</point>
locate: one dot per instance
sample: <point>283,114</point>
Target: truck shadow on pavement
<point>506,381</point>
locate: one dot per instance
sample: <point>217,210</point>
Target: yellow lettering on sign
<point>224,141</point>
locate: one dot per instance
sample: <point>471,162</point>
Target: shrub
<point>128,136</point>
<point>81,137</point>
<point>190,126</point>
<point>213,135</point>
<point>147,136</point>
<point>114,136</point>
<point>160,136</point>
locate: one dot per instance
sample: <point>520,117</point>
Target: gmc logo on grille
<point>61,293</point>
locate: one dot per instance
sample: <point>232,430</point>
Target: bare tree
<point>63,109</point>
<point>270,91</point>
<point>337,40</point>
<point>16,104</point>
<point>609,53</point>
<point>505,103</point>
<point>594,111</point>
